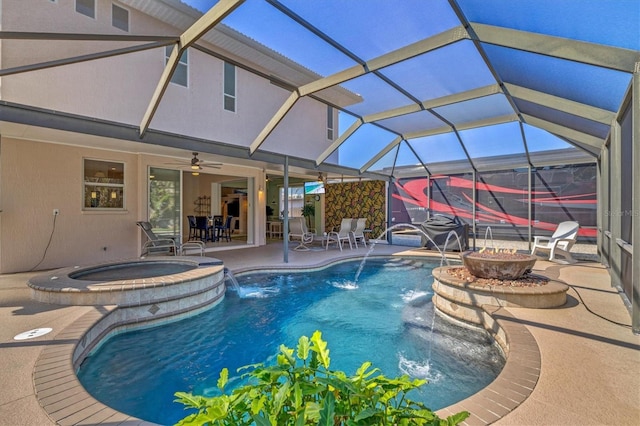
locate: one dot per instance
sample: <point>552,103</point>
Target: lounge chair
<point>344,233</point>
<point>165,246</point>
<point>357,230</point>
<point>298,232</point>
<point>560,242</point>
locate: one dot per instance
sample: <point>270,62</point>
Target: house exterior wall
<point>36,178</point>
<point>40,175</point>
<point>120,88</point>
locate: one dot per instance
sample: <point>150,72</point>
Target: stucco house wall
<point>120,88</point>
<point>36,178</point>
<point>38,175</point>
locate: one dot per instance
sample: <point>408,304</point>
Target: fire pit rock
<point>498,265</point>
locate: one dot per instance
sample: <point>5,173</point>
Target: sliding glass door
<point>164,201</point>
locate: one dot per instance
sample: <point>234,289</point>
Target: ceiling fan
<point>196,164</point>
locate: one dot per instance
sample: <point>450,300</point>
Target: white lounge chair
<point>357,230</point>
<point>298,232</point>
<point>344,233</point>
<point>560,242</point>
<point>165,246</point>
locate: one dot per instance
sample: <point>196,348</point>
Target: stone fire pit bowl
<point>502,266</point>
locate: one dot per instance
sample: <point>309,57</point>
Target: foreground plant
<point>301,390</point>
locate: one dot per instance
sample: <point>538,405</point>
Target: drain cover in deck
<point>31,334</point>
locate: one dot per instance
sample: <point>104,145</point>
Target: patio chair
<point>165,246</point>
<point>560,242</point>
<point>203,229</point>
<point>193,227</point>
<point>298,232</point>
<point>344,233</point>
<point>357,230</point>
<point>224,231</point>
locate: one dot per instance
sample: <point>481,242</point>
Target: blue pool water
<point>385,318</point>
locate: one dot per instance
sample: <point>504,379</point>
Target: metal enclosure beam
<point>487,122</point>
<point>275,120</point>
<point>564,131</point>
<point>336,144</point>
<point>558,47</point>
<point>616,206</point>
<point>83,58</point>
<point>474,209</point>
<point>561,104</point>
<point>285,220</point>
<point>398,55</point>
<point>430,132</point>
<point>529,209</point>
<point>381,154</point>
<point>199,28</point>
<point>434,103</point>
<point>635,259</point>
<point>26,35</point>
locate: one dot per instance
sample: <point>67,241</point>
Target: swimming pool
<point>385,318</point>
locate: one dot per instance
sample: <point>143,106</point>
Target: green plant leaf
<point>286,356</point>
<point>320,347</point>
<point>224,378</point>
<point>314,363</point>
<point>361,373</point>
<point>312,411</point>
<point>342,385</point>
<point>366,413</point>
<point>190,420</point>
<point>297,396</point>
<point>303,348</point>
<point>284,394</point>
<point>189,399</point>
<point>327,412</point>
<point>300,420</point>
<point>219,408</point>
<point>456,419</point>
<point>257,404</point>
<point>280,397</point>
<point>261,421</point>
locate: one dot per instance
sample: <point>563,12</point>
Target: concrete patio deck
<point>588,365</point>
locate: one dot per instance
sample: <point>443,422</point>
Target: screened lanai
<point>476,91</point>
<point>456,82</point>
<point>485,92</point>
<point>455,89</point>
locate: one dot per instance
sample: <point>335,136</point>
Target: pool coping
<point>66,401</point>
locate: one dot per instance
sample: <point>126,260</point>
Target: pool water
<point>132,271</point>
<point>386,318</point>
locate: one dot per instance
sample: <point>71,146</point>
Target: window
<point>86,7</point>
<point>120,17</point>
<point>296,200</point>
<point>229,87</point>
<point>329,123</point>
<point>103,185</point>
<point>180,75</point>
